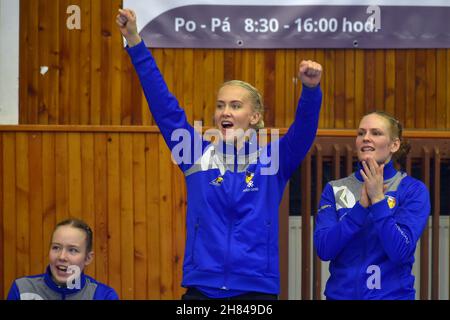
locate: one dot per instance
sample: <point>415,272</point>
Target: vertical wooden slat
<point>400,85</point>
<point>218,78</point>
<point>62,179</point>
<point>117,56</point>
<point>188,84</point>
<point>276,112</point>
<point>96,63</point>
<point>320,58</point>
<point>85,62</point>
<point>48,190</point>
<point>380,69</point>
<point>430,100</point>
<point>126,215</point>
<point>390,74</point>
<point>32,63</point>
<point>283,240</point>
<point>260,73</point>
<point>359,87</point>
<point>166,224</point>
<point>130,111</point>
<point>9,209</point>
<point>210,88</point>
<point>140,217</point>
<point>74,175</point>
<point>113,211</point>
<point>228,65</point>
<point>317,264</point>
<point>349,121</point>
<point>270,89</point>
<point>64,67</point>
<point>54,61</point>
<point>420,90</point>
<point>198,86</point>
<point>35,177</point>
<point>73,65</point>
<point>87,189</point>
<point>102,234</point>
<point>106,61</point>
<point>410,89</point>
<point>339,90</point>
<point>441,89</point>
<point>179,232</point>
<point>436,225</point>
<point>22,204</point>
<point>424,240</point>
<point>329,84</point>
<point>306,227</point>
<point>237,67</point>
<point>370,102</point>
<point>178,69</point>
<point>43,60</point>
<point>290,88</point>
<point>153,216</point>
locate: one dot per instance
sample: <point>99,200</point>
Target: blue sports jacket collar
<point>62,290</point>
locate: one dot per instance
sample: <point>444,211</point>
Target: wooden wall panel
<point>123,184</point>
<point>91,80</point>
<point>120,180</point>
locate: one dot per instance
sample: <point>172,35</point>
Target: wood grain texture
<point>91,80</point>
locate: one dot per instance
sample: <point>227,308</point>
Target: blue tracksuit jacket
<point>42,287</point>
<point>371,251</point>
<point>232,206</point>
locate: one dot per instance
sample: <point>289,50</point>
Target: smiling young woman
<point>70,252</point>
<point>369,223</point>
<point>233,200</point>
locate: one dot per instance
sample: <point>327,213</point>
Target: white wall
<point>9,61</point>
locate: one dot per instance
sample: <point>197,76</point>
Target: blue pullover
<point>371,250</point>
<point>232,203</point>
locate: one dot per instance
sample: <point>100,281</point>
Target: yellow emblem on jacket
<point>391,201</point>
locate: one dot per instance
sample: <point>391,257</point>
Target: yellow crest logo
<point>217,182</point>
<point>391,202</point>
<point>249,177</point>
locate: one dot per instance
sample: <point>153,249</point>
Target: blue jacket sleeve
<point>104,292</point>
<point>301,134</point>
<point>400,229</point>
<point>332,233</point>
<point>13,293</point>
<point>166,111</point>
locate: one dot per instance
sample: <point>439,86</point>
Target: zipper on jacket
<point>227,257</point>
<point>268,224</point>
<point>230,228</point>
<point>196,226</point>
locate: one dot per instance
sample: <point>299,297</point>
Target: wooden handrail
<point>436,134</point>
